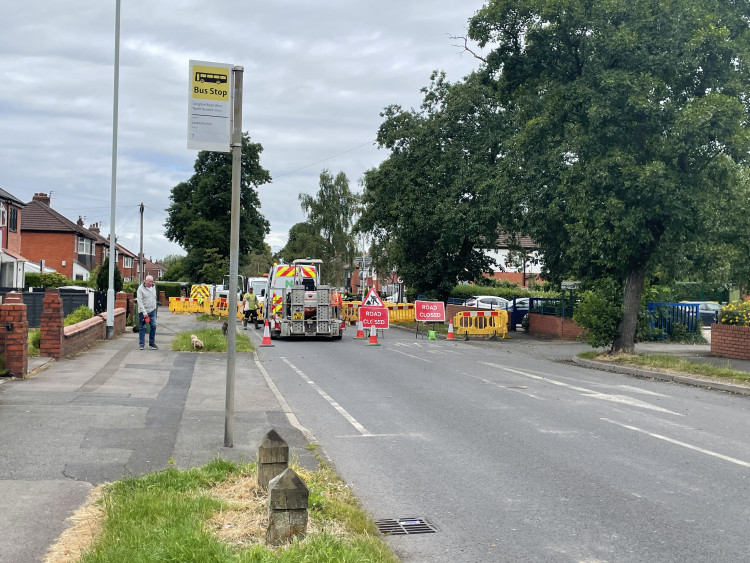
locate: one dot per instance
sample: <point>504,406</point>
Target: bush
<point>102,278</point>
<point>599,313</point>
<point>80,314</point>
<point>735,313</point>
<point>45,280</point>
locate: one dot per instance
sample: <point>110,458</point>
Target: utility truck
<point>297,304</point>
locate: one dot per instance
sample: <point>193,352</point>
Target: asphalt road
<point>514,455</point>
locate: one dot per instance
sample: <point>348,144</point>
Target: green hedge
<point>80,314</point>
<point>169,289</point>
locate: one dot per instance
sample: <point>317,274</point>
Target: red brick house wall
<point>53,248</point>
<point>14,237</point>
<point>730,341</point>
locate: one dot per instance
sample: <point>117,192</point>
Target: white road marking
<point>514,389</point>
<point>342,411</point>
<point>678,443</point>
<point>412,356</point>
<point>290,416</point>
<point>622,399</point>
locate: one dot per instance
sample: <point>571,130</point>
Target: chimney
<point>42,198</point>
<point>80,221</point>
<point>94,228</point>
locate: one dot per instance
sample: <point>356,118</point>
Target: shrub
<point>735,313</point>
<point>599,313</point>
<point>80,314</point>
<point>102,278</point>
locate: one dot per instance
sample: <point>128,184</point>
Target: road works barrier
<point>489,323</point>
<point>397,312</point>
<point>186,305</point>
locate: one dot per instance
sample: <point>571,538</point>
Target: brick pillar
<point>52,325</point>
<point>121,300</point>
<point>163,299</point>
<point>16,333</point>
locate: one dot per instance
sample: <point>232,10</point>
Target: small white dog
<point>197,343</point>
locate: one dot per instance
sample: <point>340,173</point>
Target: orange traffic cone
<point>360,332</point>
<point>450,331</point>
<point>373,337</point>
<point>266,335</point>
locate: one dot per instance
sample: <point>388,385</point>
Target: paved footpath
<point>114,410</point>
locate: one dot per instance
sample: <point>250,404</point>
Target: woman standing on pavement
<point>146,296</point>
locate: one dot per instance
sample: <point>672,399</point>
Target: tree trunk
<point>631,303</point>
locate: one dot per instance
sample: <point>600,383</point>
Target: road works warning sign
<point>210,106</point>
<point>372,299</point>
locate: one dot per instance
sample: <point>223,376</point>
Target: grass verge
<point>216,513</point>
<point>668,362</point>
<point>213,341</point>
<point>34,339</point>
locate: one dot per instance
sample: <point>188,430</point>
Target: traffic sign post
<point>373,299</point>
<point>374,317</point>
<point>210,106</point>
<point>429,312</point>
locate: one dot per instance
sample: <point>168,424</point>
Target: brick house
<point>11,260</point>
<point>65,246</point>
<point>127,261</point>
<point>153,268</point>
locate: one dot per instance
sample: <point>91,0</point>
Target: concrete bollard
<point>273,458</point>
<point>287,508</point>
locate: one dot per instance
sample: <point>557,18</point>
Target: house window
<point>127,262</point>
<point>84,245</point>
<point>13,219</point>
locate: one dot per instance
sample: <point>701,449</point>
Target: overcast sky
<point>317,75</point>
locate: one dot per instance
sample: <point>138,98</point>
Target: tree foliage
<point>429,206</point>
<point>304,241</point>
<point>214,268</point>
<point>330,215</point>
<point>200,213</point>
<point>259,262</point>
<point>102,277</point>
<point>626,128</point>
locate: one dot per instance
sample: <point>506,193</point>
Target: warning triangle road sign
<point>372,300</point>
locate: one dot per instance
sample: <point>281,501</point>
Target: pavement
<point>114,411</point>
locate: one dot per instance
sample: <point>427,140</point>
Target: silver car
<point>488,302</point>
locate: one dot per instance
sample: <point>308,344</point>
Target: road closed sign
<point>210,106</point>
<point>429,311</point>
<point>373,316</point>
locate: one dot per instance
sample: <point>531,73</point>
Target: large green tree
<point>626,132</point>
<point>331,214</point>
<point>305,241</point>
<point>429,206</point>
<point>200,213</point>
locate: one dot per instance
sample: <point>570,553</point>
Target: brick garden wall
<point>14,332</point>
<point>60,342</point>
<point>730,341</point>
<point>549,326</point>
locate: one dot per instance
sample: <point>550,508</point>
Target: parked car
<point>488,302</point>
<point>708,311</point>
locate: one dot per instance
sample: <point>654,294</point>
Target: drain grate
<point>403,526</point>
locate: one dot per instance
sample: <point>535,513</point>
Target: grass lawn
<point>668,362</point>
<point>215,513</point>
<point>213,341</point>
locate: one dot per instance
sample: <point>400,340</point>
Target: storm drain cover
<point>403,526</point>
